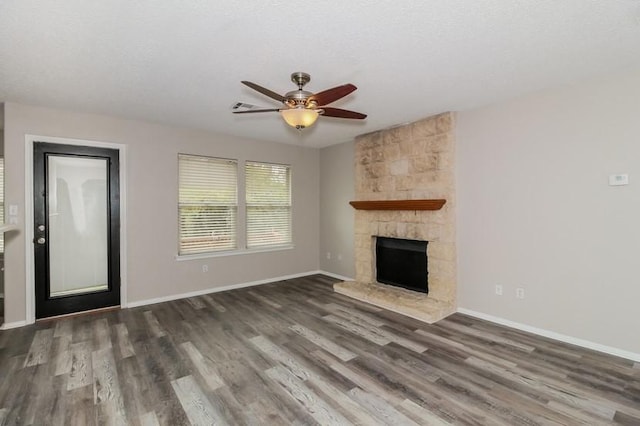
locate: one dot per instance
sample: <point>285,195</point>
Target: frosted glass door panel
<point>78,225</point>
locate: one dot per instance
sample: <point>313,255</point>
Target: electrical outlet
<point>520,293</point>
<point>498,289</point>
<point>328,255</point>
<point>205,268</point>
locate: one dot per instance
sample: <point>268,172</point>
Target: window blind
<point>208,203</point>
<point>268,204</point>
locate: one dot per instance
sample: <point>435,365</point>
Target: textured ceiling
<point>181,62</point>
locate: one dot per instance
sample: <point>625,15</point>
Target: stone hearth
<point>406,302</point>
<point>410,162</point>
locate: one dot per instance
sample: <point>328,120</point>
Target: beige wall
<point>152,196</point>
<point>535,210</point>
<point>336,215</point>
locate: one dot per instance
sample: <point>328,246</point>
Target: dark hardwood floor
<point>295,352</point>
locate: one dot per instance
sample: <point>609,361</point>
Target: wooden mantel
<point>398,204</point>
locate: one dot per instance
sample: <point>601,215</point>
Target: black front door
<point>76,228</point>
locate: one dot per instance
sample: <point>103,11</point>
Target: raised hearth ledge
<point>435,204</point>
<point>410,303</point>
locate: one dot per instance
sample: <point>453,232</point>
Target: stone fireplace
<point>410,162</point>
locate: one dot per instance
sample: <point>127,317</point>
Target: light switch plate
<point>13,210</point>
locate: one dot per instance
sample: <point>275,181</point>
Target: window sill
<point>240,252</point>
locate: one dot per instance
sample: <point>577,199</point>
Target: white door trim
<point>28,214</point>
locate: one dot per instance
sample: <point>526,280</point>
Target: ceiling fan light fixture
<point>299,117</point>
<point>300,108</point>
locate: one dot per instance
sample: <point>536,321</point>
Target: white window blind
<point>208,203</point>
<point>1,202</point>
<point>268,203</point>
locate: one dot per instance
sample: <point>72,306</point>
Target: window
<point>208,204</point>
<point>268,203</point>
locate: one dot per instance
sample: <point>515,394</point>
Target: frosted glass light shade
<point>299,117</point>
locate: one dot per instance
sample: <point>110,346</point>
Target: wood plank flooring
<point>295,352</point>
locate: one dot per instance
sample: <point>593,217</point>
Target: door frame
<point>28,215</point>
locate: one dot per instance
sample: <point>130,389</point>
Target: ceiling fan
<point>301,108</point>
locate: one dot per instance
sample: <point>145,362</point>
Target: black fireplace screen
<point>402,263</point>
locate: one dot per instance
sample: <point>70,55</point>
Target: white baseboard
<point>217,289</point>
<point>553,335</point>
<point>10,325</point>
<point>336,276</point>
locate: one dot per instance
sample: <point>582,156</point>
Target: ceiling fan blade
<point>251,111</point>
<point>331,95</point>
<point>264,91</point>
<point>342,113</point>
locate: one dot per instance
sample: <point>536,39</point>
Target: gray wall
<point>152,238</point>
<point>337,188</point>
<point>535,210</point>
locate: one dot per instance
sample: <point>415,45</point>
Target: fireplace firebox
<point>402,263</point>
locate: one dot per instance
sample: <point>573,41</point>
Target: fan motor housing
<point>297,97</point>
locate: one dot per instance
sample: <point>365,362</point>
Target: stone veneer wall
<point>413,161</point>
